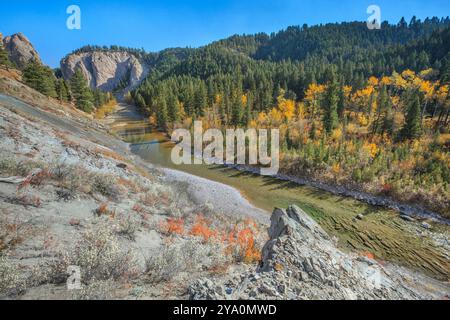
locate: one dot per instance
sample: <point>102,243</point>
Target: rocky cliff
<point>20,49</point>
<point>106,70</point>
<point>300,261</point>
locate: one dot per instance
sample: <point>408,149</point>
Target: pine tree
<point>413,125</point>
<point>341,103</point>
<point>331,101</point>
<point>246,117</point>
<point>40,78</point>
<point>378,125</point>
<point>100,98</point>
<point>82,95</point>
<point>200,99</point>
<point>32,76</point>
<point>236,112</point>
<point>173,109</point>
<point>223,110</point>
<point>161,115</point>
<point>4,59</point>
<point>62,90</point>
<point>139,100</point>
<point>388,123</point>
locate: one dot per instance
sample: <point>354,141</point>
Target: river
<point>381,232</point>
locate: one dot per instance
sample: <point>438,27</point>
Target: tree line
<point>261,66</point>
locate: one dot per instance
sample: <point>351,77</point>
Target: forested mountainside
<point>298,56</point>
<point>367,109</point>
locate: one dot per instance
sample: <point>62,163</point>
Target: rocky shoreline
<point>411,211</point>
<point>404,209</point>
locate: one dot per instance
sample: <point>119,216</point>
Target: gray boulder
<point>300,261</point>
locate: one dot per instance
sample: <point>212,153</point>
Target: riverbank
<point>408,211</point>
<point>358,226</point>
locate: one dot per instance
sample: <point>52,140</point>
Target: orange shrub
<point>247,248</point>
<point>174,226</point>
<point>103,210</point>
<point>242,240</point>
<point>200,229</point>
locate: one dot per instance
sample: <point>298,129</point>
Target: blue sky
<point>158,24</point>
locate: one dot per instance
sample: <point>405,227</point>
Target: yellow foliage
<point>350,147</point>
<point>415,146</point>
<point>187,123</point>
<point>398,80</point>
<point>351,128</point>
<point>275,116</point>
<point>371,149</point>
<point>427,88</point>
<point>395,100</point>
<point>373,81</point>
<point>442,94</point>
<point>218,99</point>
<point>440,156</point>
<point>287,108</point>
<point>443,139</point>
<point>367,92</point>
<point>152,120</point>
<point>106,109</point>
<point>427,73</point>
<point>347,91</point>
<point>294,134</point>
<point>336,135</point>
<point>314,91</point>
<point>386,81</point>
<point>244,99</point>
<point>363,120</point>
<point>336,168</point>
<point>408,75</point>
<point>301,111</point>
<point>262,118</point>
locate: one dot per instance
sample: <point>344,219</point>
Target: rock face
<point>300,261</point>
<point>20,50</point>
<point>106,70</point>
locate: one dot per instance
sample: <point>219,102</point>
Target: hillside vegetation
<point>368,109</point>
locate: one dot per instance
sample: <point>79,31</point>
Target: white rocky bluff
<point>20,50</point>
<point>105,70</point>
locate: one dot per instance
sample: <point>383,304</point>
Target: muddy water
<point>381,232</point>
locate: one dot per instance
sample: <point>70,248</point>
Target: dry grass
<point>103,210</point>
<point>13,232</point>
<point>130,185</point>
<point>108,153</point>
<point>25,200</point>
<point>11,282</point>
<point>98,255</point>
<point>105,185</point>
<point>106,110</point>
<point>11,167</point>
<point>127,227</point>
